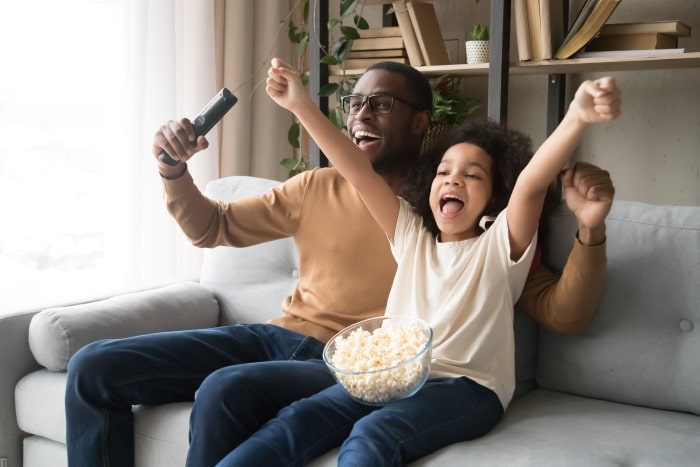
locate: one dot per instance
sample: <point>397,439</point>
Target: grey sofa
<point>625,393</point>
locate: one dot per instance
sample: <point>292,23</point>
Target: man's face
<point>389,140</point>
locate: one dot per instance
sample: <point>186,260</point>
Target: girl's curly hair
<point>510,151</point>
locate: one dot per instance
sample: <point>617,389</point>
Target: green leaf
<point>333,22</point>
<point>347,7</point>
<point>343,49</point>
<point>329,60</point>
<point>337,46</point>
<point>361,22</point>
<point>303,43</point>
<point>328,89</point>
<point>293,135</point>
<point>349,32</point>
<point>336,116</point>
<point>292,33</point>
<point>293,166</point>
<point>306,11</point>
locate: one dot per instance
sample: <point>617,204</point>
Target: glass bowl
<point>382,359</point>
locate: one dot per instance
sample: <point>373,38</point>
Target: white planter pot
<point>477,51</point>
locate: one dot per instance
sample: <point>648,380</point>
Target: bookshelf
<point>499,69</point>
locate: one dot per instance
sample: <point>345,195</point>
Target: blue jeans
<point>443,412</point>
<point>242,376</point>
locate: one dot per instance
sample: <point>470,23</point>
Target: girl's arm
<point>595,101</point>
<point>285,88</point>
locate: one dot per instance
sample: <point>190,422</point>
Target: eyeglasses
<point>379,104</point>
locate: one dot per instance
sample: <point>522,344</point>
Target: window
<point>81,210</point>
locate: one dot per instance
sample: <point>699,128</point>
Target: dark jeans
<point>443,412</point>
<point>242,376</point>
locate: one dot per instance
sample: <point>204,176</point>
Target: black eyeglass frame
<point>345,102</point>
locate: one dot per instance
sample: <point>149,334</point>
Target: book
<point>522,32</point>
<point>671,27</point>
<point>387,31</point>
<point>630,53</point>
<point>378,43</point>
<point>588,22</point>
<point>415,57</point>
<point>546,27</point>
<point>428,33</point>
<point>381,53</point>
<point>632,42</point>
<point>534,25</point>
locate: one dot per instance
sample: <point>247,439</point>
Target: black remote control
<point>207,118</point>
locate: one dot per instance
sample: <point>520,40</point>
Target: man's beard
<point>393,163</point>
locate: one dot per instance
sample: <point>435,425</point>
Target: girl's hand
<point>284,85</point>
<point>598,101</point>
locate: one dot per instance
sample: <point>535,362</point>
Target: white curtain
<point>84,86</point>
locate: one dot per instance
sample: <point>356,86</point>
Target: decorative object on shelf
<point>478,46</point>
<point>450,108</point>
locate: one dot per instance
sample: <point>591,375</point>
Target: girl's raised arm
<point>286,89</point>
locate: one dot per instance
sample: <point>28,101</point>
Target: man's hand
<point>177,139</point>
<point>589,193</point>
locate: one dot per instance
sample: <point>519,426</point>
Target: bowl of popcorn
<point>382,359</point>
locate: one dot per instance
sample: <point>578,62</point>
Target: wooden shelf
<point>573,65</point>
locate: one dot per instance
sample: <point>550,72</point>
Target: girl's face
<point>460,191</point>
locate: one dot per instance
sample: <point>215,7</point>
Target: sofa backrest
<point>643,345</point>
<point>250,283</point>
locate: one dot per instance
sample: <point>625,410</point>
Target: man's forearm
<point>591,236</point>
<point>567,303</point>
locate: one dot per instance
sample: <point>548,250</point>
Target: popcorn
<point>369,363</point>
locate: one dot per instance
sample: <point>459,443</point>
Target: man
<point>244,374</point>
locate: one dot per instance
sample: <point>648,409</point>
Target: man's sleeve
<point>567,303</point>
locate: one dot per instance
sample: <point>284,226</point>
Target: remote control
<point>207,118</point>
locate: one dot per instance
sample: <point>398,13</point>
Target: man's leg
<point>106,378</point>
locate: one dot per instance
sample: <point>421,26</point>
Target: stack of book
<point>651,37</point>
<point>376,45</point>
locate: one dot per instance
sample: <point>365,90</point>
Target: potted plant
<point>478,44</point>
<point>450,108</point>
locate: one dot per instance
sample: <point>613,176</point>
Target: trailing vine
<point>342,31</point>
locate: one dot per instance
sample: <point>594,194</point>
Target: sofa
<point>627,392</point>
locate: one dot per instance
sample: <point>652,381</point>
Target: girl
<point>463,239</point>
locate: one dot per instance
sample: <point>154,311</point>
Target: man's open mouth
<point>362,136</point>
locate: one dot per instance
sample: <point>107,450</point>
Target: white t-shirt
<point>466,291</point>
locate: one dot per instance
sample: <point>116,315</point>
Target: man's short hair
<point>418,86</point>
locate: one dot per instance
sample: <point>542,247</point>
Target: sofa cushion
<point>250,283</point>
<point>55,334</point>
<point>546,428</point>
<point>643,345</point>
<point>160,432</point>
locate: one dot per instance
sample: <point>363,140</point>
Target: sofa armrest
<point>55,334</point>
<point>16,361</point>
